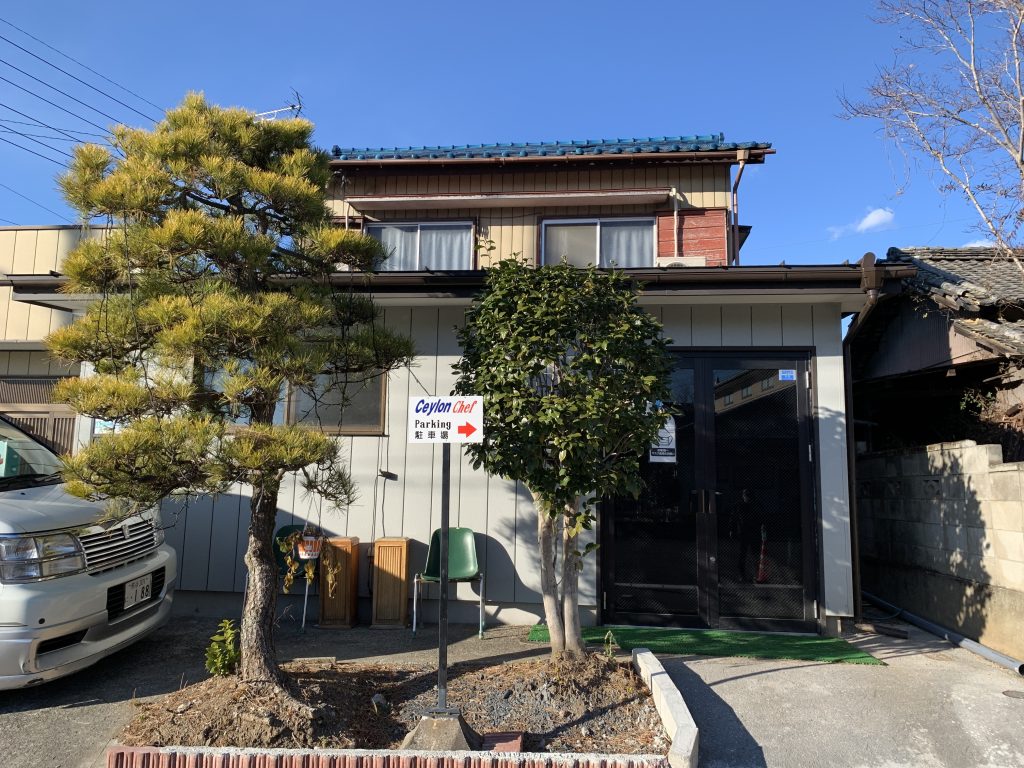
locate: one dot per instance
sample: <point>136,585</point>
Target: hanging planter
<point>309,546</point>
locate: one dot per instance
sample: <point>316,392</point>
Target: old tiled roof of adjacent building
<point>579,147</point>
<point>1006,335</point>
<point>965,278</point>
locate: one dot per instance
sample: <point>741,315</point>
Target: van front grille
<point>115,596</point>
<point>118,544</point>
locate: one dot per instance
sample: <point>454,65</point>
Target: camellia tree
<point>215,305</point>
<point>572,373</point>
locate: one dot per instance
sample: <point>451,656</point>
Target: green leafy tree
<point>215,302</point>
<point>571,371</point>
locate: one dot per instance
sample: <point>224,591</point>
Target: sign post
<point>445,420</point>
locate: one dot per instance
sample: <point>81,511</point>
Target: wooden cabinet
<point>339,607</point>
<point>391,582</point>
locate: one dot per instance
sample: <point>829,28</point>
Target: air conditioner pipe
<point>949,635</point>
<point>742,155</point>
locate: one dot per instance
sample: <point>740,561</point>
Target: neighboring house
<point>749,527</point>
<point>937,371</point>
<point>952,344</point>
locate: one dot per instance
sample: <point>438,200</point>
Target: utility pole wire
<point>36,135</point>
<point>83,66</point>
<point>52,103</point>
<point>34,140</point>
<point>58,90</point>
<point>32,151</point>
<point>40,124</point>
<point>26,197</point>
<point>8,221</point>
<point>80,80</point>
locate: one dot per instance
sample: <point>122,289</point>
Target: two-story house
<point>748,525</point>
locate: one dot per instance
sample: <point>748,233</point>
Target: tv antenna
<point>295,108</point>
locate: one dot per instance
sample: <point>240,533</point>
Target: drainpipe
<point>870,283</point>
<point>741,158</point>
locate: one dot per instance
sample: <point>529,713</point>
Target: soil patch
<point>595,704</point>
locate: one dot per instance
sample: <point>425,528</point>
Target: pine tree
<point>215,303</point>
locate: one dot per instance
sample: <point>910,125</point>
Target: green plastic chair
<point>462,566</point>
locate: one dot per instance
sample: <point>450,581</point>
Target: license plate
<point>138,590</point>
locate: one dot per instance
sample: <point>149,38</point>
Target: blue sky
<point>403,73</point>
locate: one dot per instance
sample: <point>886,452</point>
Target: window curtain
<point>577,243</point>
<point>627,244</point>
<point>446,246</point>
<point>400,242</point>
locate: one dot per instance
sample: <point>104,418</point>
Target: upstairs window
<point>414,246</point>
<point>620,243</point>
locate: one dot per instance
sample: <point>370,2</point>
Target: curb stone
<point>675,715</point>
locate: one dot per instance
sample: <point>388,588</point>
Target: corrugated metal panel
<point>56,430</point>
<point>36,389</point>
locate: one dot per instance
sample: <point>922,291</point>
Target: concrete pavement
<point>933,706</point>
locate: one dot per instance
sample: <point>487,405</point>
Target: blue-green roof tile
<point>702,143</point>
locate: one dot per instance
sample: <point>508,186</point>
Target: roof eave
<point>755,155</point>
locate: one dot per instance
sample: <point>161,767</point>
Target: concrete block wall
<point>942,535</point>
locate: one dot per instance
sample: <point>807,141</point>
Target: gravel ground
<point>91,707</point>
<point>595,704</point>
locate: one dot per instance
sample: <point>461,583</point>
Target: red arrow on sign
<point>466,429</point>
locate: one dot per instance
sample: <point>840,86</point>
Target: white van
<point>72,590</point>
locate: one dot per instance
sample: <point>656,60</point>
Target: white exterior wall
<point>501,512</point>
<point>210,535</point>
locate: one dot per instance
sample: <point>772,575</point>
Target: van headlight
<point>37,558</point>
<point>158,527</point>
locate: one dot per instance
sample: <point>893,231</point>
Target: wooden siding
<point>917,338</point>
<point>210,535</point>
<point>514,231</point>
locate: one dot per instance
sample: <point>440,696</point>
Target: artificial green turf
<point>711,642</point>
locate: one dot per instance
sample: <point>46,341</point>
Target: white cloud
<point>978,244</point>
<point>874,220</point>
<point>877,218</point>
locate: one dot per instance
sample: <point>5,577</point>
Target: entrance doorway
<point>723,533</point>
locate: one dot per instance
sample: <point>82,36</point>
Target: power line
<point>26,197</point>
<point>83,66</point>
<point>80,80</point>
<point>37,135</point>
<point>8,221</point>
<point>31,151</point>
<point>39,124</point>
<point>34,140</point>
<point>52,103</point>
<point>58,90</point>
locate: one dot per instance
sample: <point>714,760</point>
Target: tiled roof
<point>968,278</point>
<point>1007,335</point>
<point>655,144</point>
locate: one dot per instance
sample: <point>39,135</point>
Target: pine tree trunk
<point>548,585</point>
<point>571,562</point>
<point>259,660</point>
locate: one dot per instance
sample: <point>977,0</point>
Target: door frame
<point>701,359</point>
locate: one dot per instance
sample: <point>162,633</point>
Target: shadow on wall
<point>923,531</point>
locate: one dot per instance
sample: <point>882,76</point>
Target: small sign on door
<point>663,449</point>
<point>787,374</point>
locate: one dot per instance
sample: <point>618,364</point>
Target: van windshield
<point>23,459</point>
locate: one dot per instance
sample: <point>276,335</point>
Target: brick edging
<point>675,715</point>
<point>220,757</point>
